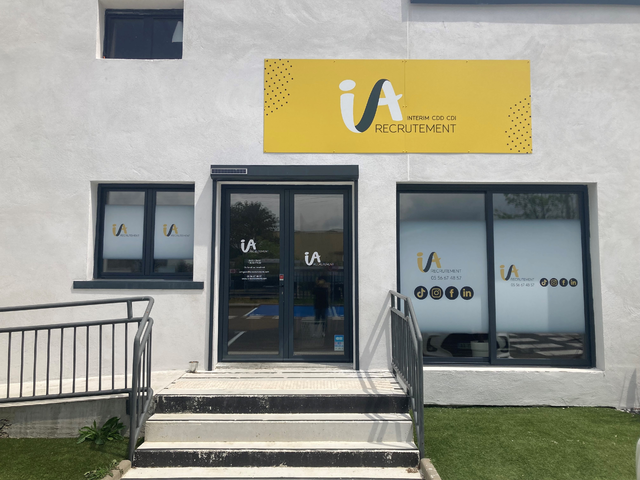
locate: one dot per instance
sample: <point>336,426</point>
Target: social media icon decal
<point>466,293</point>
<point>451,293</point>
<point>436,293</point>
<point>421,292</point>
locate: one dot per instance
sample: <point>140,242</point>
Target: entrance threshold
<point>281,366</point>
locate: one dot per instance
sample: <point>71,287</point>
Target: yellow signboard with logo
<point>396,106</point>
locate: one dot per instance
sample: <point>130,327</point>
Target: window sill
<point>141,59</point>
<point>507,369</point>
<point>139,284</point>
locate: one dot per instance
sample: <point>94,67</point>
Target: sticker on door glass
<point>338,343</point>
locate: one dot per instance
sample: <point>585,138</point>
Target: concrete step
<point>292,427</point>
<point>290,371</point>
<point>285,383</point>
<point>272,473</point>
<point>273,454</point>
<point>199,402</point>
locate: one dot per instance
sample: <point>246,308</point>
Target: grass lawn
<point>55,458</point>
<point>543,443</point>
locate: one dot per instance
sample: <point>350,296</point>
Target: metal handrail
<point>406,358</point>
<point>139,391</point>
<point>141,394</point>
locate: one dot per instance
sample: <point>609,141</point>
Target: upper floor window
<point>145,231</point>
<point>145,34</point>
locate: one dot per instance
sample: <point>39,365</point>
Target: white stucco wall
<point>70,120</point>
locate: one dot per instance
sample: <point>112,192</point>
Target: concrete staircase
<point>274,421</point>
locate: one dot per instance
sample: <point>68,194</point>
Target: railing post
<point>9,366</point>
<point>21,362</point>
<point>133,399</point>
<point>406,341</point>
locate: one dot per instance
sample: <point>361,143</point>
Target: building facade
<point>283,255</point>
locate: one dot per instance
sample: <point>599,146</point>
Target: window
<point>146,34</point>
<point>530,2</point>
<point>145,231</point>
<point>498,274</point>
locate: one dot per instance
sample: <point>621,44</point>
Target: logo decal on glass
<point>433,257</point>
<point>172,229</point>
<point>250,245</point>
<point>390,100</point>
<point>314,257</point>
<point>512,270</point>
<point>121,230</point>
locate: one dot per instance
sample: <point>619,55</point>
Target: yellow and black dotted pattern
<point>278,74</point>
<point>519,133</point>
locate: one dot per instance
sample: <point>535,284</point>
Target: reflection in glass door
<point>285,275</point>
<point>253,312</point>
<point>318,311</point>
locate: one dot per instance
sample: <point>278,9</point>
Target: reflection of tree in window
<point>252,220</point>
<point>538,206</point>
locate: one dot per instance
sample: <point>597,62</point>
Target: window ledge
<point>507,369</point>
<point>138,284</point>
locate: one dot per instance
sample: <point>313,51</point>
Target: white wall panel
<point>70,120</point>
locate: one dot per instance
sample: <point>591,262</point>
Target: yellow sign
<point>396,106</point>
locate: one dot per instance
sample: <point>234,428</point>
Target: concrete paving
<point>272,473</point>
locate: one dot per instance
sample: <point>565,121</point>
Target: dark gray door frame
<point>285,173</point>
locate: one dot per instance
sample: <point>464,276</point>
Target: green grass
<point>55,458</point>
<point>463,443</point>
<point>531,443</point>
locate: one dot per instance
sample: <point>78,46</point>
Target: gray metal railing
<point>80,352</point>
<point>406,358</point>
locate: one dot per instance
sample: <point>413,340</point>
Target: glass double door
<point>285,273</point>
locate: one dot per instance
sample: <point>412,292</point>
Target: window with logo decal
<point>145,231</point>
<point>498,274</point>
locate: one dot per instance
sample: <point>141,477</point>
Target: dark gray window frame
<point>528,2</point>
<point>148,238</point>
<point>148,15</point>
<point>488,190</point>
